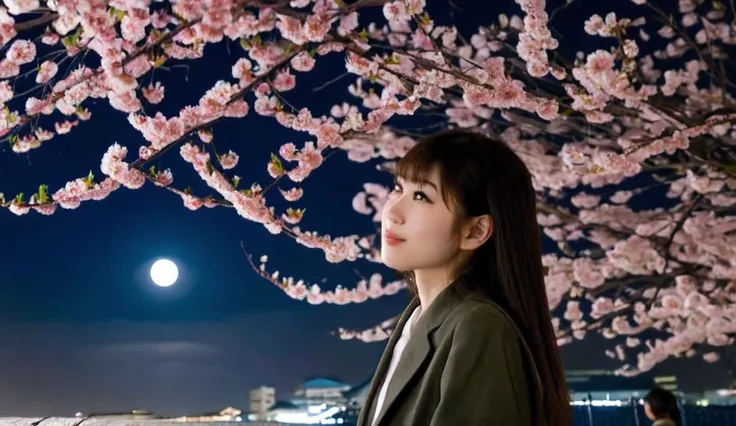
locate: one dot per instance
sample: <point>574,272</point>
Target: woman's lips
<point>392,239</point>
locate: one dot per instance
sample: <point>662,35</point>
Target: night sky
<point>82,328</point>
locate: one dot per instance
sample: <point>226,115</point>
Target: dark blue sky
<point>83,328</point>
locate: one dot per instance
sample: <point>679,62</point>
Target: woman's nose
<point>393,212</point>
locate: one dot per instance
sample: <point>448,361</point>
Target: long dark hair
<point>482,176</point>
<point>663,404</point>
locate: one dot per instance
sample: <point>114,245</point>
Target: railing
<point>101,421</point>
<point>693,415</point>
<point>632,415</point>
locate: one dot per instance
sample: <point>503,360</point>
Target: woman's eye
<point>421,196</point>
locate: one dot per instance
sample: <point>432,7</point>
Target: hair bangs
<point>417,165</point>
<point>421,161</point>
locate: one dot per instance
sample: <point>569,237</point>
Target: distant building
<point>320,390</point>
<point>605,385</point>
<point>283,411</point>
<point>315,400</point>
<point>262,399</point>
<point>356,395</point>
<point>228,414</point>
<point>667,382</point>
<point>290,412</point>
<point>584,385</point>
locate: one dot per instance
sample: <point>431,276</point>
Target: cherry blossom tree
<point>647,116</point>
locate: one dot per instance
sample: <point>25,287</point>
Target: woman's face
<point>417,227</point>
<point>648,412</point>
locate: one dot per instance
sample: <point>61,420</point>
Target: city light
<point>306,418</point>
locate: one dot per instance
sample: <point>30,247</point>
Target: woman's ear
<point>476,232</point>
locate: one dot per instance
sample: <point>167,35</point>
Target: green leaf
<point>43,194</point>
<point>116,13</point>
<point>276,161</point>
<point>391,60</point>
<point>565,248</point>
<point>90,180</point>
<point>155,34</point>
<point>72,39</point>
<point>159,61</point>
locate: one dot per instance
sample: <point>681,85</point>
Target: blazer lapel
<point>415,353</point>
<point>369,405</point>
<point>418,348</point>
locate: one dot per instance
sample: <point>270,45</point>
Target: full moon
<point>164,272</point>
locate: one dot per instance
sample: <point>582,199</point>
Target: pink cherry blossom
<point>46,72</point>
<point>154,93</point>
<point>79,190</point>
<point>292,194</point>
<point>396,11</point>
<point>114,166</point>
<point>17,7</point>
<point>364,290</point>
<point>7,27</point>
<point>229,160</point>
<point>21,52</point>
<point>303,62</point>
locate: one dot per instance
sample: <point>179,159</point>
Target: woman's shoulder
<point>480,326</point>
<point>480,314</point>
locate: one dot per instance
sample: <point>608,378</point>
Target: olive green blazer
<point>462,366</point>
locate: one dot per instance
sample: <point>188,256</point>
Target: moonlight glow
<point>164,272</point>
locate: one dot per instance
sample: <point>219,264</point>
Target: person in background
<point>476,345</point>
<point>660,406</point>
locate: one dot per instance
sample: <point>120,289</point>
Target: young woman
<point>660,406</point>
<point>476,344</point>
